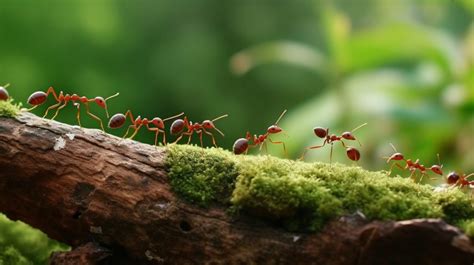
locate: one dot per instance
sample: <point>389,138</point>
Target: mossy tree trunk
<point>112,202</point>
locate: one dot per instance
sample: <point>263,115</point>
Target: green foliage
<point>304,196</point>
<point>20,244</point>
<point>8,108</point>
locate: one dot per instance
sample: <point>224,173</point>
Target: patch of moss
<point>201,176</point>
<point>304,196</point>
<point>468,227</point>
<point>9,109</point>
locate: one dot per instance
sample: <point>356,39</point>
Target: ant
<point>242,145</point>
<point>351,152</point>
<point>118,120</point>
<point>4,92</point>
<point>39,97</point>
<point>179,125</point>
<point>413,166</point>
<point>455,179</point>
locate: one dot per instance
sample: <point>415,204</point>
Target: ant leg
<point>181,137</point>
<point>395,164</point>
<point>212,137</point>
<point>135,132</point>
<point>279,142</point>
<point>200,137</point>
<point>311,147</point>
<point>94,117</point>
<point>156,130</point>
<point>190,137</point>
<point>330,154</point>
<point>51,91</point>
<point>32,108</point>
<point>421,177</point>
<point>78,115</point>
<point>57,110</point>
<point>164,138</point>
<point>51,107</point>
<point>128,129</point>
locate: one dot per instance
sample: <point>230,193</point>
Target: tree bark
<point>82,185</point>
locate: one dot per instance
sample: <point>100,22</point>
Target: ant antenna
<point>6,85</point>
<point>106,110</point>
<point>172,117</point>
<point>439,161</point>
<point>219,131</point>
<point>393,147</point>
<point>220,117</point>
<point>113,96</point>
<point>358,127</point>
<point>281,116</point>
<point>472,174</point>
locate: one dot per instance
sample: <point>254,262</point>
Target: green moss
<point>9,109</point>
<point>201,176</point>
<point>468,227</point>
<point>304,196</point>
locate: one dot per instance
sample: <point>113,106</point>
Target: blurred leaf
<point>399,43</point>
<point>278,52</point>
<point>337,29</point>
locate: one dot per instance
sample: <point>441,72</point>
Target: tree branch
<point>81,185</point>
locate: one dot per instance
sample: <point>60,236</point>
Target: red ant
<point>4,92</point>
<point>351,152</point>
<point>178,126</point>
<point>413,166</point>
<point>39,97</point>
<point>242,145</point>
<point>455,179</point>
<point>118,120</point>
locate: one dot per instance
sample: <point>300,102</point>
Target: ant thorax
<point>333,138</point>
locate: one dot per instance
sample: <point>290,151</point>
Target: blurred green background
<point>405,67</point>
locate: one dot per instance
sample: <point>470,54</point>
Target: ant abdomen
<point>240,146</point>
<point>37,98</point>
<point>320,132</point>
<point>452,178</point>
<point>177,126</point>
<point>353,154</point>
<point>3,93</point>
<point>117,121</point>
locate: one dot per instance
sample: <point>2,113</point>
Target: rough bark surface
<point>82,185</point>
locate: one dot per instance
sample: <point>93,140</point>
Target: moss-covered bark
<point>304,196</point>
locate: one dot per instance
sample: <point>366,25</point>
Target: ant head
<point>396,156</point>
<point>177,126</point>
<point>437,169</point>
<point>353,154</point>
<point>348,136</point>
<point>321,132</point>
<point>158,122</point>
<point>100,101</point>
<point>207,124</point>
<point>274,129</point>
<point>452,178</point>
<point>103,102</point>
<point>116,121</point>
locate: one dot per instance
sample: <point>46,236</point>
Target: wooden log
<point>82,185</point>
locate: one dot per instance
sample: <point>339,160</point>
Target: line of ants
<point>182,127</point>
